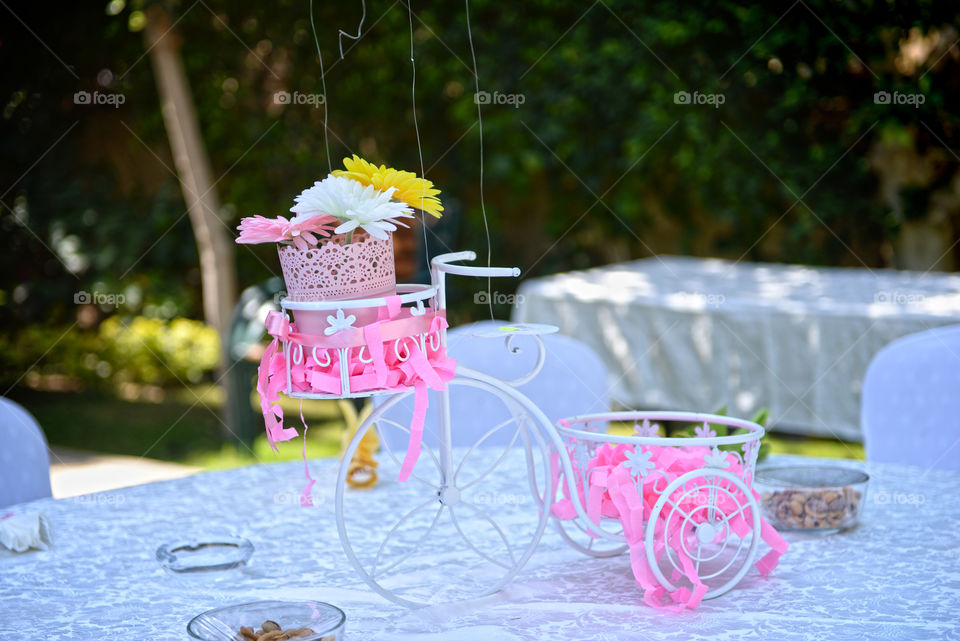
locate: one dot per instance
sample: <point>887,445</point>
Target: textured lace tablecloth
<point>894,577</point>
<point>679,332</point>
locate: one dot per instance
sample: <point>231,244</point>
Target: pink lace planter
<point>337,270</point>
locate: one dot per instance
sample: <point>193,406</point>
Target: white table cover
<point>894,577</point>
<point>695,334</point>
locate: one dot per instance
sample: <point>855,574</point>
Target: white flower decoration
<point>716,458</point>
<point>647,429</point>
<point>355,205</point>
<point>705,431</point>
<point>581,455</point>
<point>639,463</point>
<point>338,323</point>
<point>419,310</point>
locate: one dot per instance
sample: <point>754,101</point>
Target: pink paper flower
<point>301,231</point>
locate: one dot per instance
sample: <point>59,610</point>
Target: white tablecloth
<point>695,334</point>
<point>893,577</point>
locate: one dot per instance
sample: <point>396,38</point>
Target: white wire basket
<point>699,524</point>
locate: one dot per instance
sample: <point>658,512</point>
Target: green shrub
<point>122,350</point>
<point>150,350</point>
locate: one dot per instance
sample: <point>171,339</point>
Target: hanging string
<point>323,84</point>
<point>483,208</point>
<point>416,129</point>
<point>363,16</point>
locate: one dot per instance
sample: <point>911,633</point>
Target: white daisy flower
<point>356,206</point>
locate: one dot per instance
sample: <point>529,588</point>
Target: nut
<point>812,509</point>
<point>816,506</point>
<point>271,631</point>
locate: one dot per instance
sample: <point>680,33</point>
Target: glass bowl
<point>205,554</point>
<point>817,498</point>
<point>313,620</point>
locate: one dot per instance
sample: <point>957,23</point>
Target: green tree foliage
<point>778,171</point>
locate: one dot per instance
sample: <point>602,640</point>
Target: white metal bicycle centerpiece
<point>465,518</point>
<point>469,507</point>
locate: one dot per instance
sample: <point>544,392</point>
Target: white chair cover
<point>911,401</point>
<point>573,381</point>
<point>24,460</point>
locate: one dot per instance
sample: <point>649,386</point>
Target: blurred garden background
<point>595,151</point>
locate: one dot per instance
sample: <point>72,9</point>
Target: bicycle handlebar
<point>442,263</point>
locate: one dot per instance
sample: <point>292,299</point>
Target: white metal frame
<point>711,476</point>
<point>537,432</point>
<point>447,492</point>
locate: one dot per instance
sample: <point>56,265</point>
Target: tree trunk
<point>214,244</point>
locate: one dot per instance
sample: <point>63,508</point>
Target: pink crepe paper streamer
<point>374,341</point>
<point>269,387</point>
<point>779,546</point>
<point>613,493</point>
<point>306,500</point>
<point>375,345</point>
<point>391,309</point>
<point>422,370</point>
<point>420,402</point>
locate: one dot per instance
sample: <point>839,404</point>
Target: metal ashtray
<point>205,555</point>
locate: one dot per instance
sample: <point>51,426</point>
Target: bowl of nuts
<point>270,621</point>
<point>821,499</point>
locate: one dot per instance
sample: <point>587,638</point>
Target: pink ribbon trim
<point>420,402</point>
<point>401,326</point>
<point>381,369</point>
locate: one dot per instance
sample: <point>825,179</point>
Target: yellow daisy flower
<point>416,192</point>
